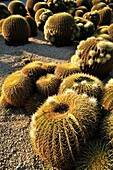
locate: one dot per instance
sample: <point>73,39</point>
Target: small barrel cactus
<point>17,7</point>
<point>97,155</point>
<point>49,67</point>
<point>83,84</point>
<point>60,29</point>
<point>95,56</point>
<point>17,88</point>
<point>40,5</point>
<point>86,3</point>
<point>56,6</point>
<point>65,69</point>
<point>61,126</point>
<point>48,85</point>
<point>110,30</point>
<point>15,30</point>
<point>107,99</point>
<point>4,12</point>
<point>1,23</point>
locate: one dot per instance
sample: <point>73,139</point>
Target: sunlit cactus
<point>83,84</point>
<point>48,85</point>
<point>107,99</point>
<point>94,56</point>
<point>49,67</point>
<point>40,5</point>
<point>41,17</point>
<point>110,30</point>
<point>1,23</point>
<point>4,12</point>
<point>97,155</point>
<point>17,7</point>
<point>17,88</point>
<point>65,69</point>
<point>105,37</point>
<point>98,6</point>
<point>60,29</point>
<point>61,126</point>
<point>15,30</point>
<point>94,2</point>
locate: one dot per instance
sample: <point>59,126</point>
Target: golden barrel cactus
<point>94,56</point>
<point>61,126</point>
<point>15,30</point>
<point>110,30</point>
<point>60,29</point>
<point>4,12</point>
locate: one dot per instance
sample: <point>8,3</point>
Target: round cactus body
<point>60,29</point>
<point>4,12</point>
<point>83,84</point>
<point>1,23</point>
<point>98,6</point>
<point>17,88</point>
<point>107,99</point>
<point>49,67</point>
<point>65,69</point>
<point>48,85</point>
<point>97,155</point>
<point>86,3</point>
<point>17,7</point>
<point>3,103</point>
<point>110,30</point>
<point>40,5</point>
<point>15,30</point>
<point>95,56</point>
<point>60,127</point>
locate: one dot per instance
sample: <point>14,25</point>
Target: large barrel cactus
<point>61,126</point>
<point>95,56</point>
<point>15,30</point>
<point>17,88</point>
<point>60,29</point>
<point>4,12</point>
<point>83,84</point>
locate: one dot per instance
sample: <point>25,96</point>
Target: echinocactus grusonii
<point>3,103</point>
<point>86,3</point>
<point>61,126</point>
<point>48,85</point>
<point>94,2</point>
<point>49,67</point>
<point>34,70</point>
<point>83,84</point>
<point>94,56</point>
<point>98,6</point>
<point>40,5</point>
<point>33,26</point>
<point>17,7</point>
<point>110,30</point>
<point>107,99</point>
<point>41,17</point>
<point>97,155</point>
<point>56,6</point>
<point>16,88</point>
<point>60,29</point>
<point>1,23</point>
<point>15,30</point>
<point>4,12</point>
<point>65,69</point>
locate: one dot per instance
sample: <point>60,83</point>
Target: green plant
<point>83,84</point>
<point>17,7</point>
<point>16,88</point>
<point>94,56</point>
<point>62,33</point>
<point>65,69</point>
<point>61,126</point>
<point>15,30</point>
<point>4,12</point>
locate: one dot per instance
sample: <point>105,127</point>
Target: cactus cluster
<point>4,12</point>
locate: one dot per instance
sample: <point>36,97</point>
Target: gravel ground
<point>15,149</point>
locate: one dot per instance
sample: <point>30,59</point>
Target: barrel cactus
<point>110,30</point>
<point>83,84</point>
<point>97,155</point>
<point>98,6</point>
<point>60,29</point>
<point>48,85</point>
<point>65,69</point>
<point>95,56</point>
<point>49,67</point>
<point>61,126</point>
<point>56,6</point>
<point>17,7</point>
<point>1,23</point>
<point>15,30</point>
<point>3,103</point>
<point>4,12</point>
<point>86,3</point>
<point>97,1</point>
<point>17,88</point>
<point>107,99</point>
<point>40,5</point>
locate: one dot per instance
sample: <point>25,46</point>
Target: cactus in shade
<point>15,30</point>
<point>56,6</point>
<point>33,102</point>
<point>79,13</point>
<point>41,17</point>
<point>86,3</point>
<point>107,99</point>
<point>17,7</point>
<point>61,126</point>
<point>1,23</point>
<point>105,37</point>
<point>3,103</point>
<point>65,69</point>
<point>97,155</point>
<point>86,28</point>
<point>94,56</point>
<point>4,12</point>
<point>49,67</point>
<point>83,84</point>
<point>98,6</point>
<point>94,2</point>
<point>17,88</point>
<point>48,85</point>
<point>40,5</point>
<point>110,30</point>
<point>62,33</point>
<point>33,26</point>
<point>34,70</point>
<point>102,29</point>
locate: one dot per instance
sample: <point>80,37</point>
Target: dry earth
<point>15,149</point>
